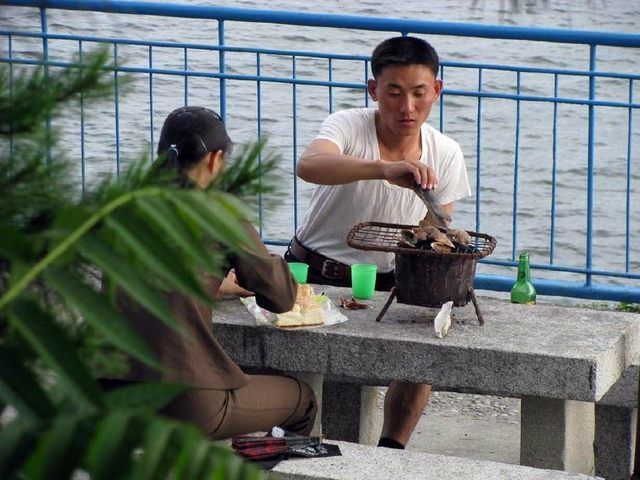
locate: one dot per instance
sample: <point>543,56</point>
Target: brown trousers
<point>267,401</point>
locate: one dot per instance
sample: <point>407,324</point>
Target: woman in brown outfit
<point>222,400</point>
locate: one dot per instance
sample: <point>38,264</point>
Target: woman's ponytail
<point>171,159</point>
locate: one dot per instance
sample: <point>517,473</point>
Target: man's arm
<point>323,164</point>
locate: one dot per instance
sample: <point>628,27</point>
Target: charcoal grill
<point>425,277</point>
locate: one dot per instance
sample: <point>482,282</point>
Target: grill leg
<point>392,295</point>
<point>477,307</point>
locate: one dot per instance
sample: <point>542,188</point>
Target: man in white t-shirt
<point>364,162</point>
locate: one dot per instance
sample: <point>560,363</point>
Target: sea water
<point>139,127</point>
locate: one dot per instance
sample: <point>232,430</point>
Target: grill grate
<point>383,237</point>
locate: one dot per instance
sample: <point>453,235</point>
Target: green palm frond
<point>251,174</point>
<point>35,95</point>
<point>62,257</point>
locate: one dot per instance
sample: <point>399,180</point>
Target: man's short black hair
<point>404,51</point>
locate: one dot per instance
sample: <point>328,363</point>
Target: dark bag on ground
<point>267,451</point>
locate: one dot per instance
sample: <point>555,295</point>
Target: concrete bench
<point>558,360</point>
<point>364,462</point>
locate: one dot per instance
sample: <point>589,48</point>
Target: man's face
<point>405,95</point>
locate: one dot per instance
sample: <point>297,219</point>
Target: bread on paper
<point>306,311</point>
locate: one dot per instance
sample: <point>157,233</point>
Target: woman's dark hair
<point>188,134</point>
<point>404,51</point>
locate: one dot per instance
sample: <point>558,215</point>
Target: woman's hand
<point>230,287</point>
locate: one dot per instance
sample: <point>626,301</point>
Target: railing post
<point>516,161</point>
<point>45,57</point>
<point>186,76</point>
<point>366,79</point>
<point>116,106</point>
<point>10,52</point>
<point>259,115</point>
<point>441,103</point>
<point>295,144</point>
<point>45,40</point>
<point>590,161</point>
<point>478,149</point>
<point>554,171</point>
<point>223,80</point>
<point>151,133</point>
<point>330,78</point>
<point>82,149</point>
<point>627,258</point>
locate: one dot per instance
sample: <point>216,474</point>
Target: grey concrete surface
<point>615,441</point>
<point>363,462</point>
<point>624,393</point>
<point>558,434</point>
<point>463,425</point>
<point>616,423</point>
<point>338,420</point>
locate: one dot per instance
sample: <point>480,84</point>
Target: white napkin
<point>442,321</point>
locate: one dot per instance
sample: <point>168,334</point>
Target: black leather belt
<point>327,267</point>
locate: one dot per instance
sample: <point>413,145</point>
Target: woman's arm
<point>266,275</point>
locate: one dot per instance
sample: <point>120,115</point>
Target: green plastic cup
<point>363,280</point>
<point>299,271</point>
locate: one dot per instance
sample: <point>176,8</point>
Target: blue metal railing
<point>554,277</point>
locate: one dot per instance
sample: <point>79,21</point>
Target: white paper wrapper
<point>332,315</point>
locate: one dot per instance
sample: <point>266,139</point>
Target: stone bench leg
<point>615,441</point>
<point>350,412</point>
<point>557,434</point>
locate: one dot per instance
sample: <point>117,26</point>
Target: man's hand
<point>407,173</point>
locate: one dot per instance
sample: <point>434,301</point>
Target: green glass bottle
<point>523,290</point>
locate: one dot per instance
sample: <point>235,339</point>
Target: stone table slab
<point>536,350</point>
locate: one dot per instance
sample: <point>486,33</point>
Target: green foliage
<point>62,255</point>
<point>35,95</point>
<point>252,162</point>
<point>628,307</point>
<point>619,307</point>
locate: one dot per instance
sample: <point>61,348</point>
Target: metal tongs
<point>435,211</point>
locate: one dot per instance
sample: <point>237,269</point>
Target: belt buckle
<point>330,270</point>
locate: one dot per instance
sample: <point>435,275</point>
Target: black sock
<point>390,443</point>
